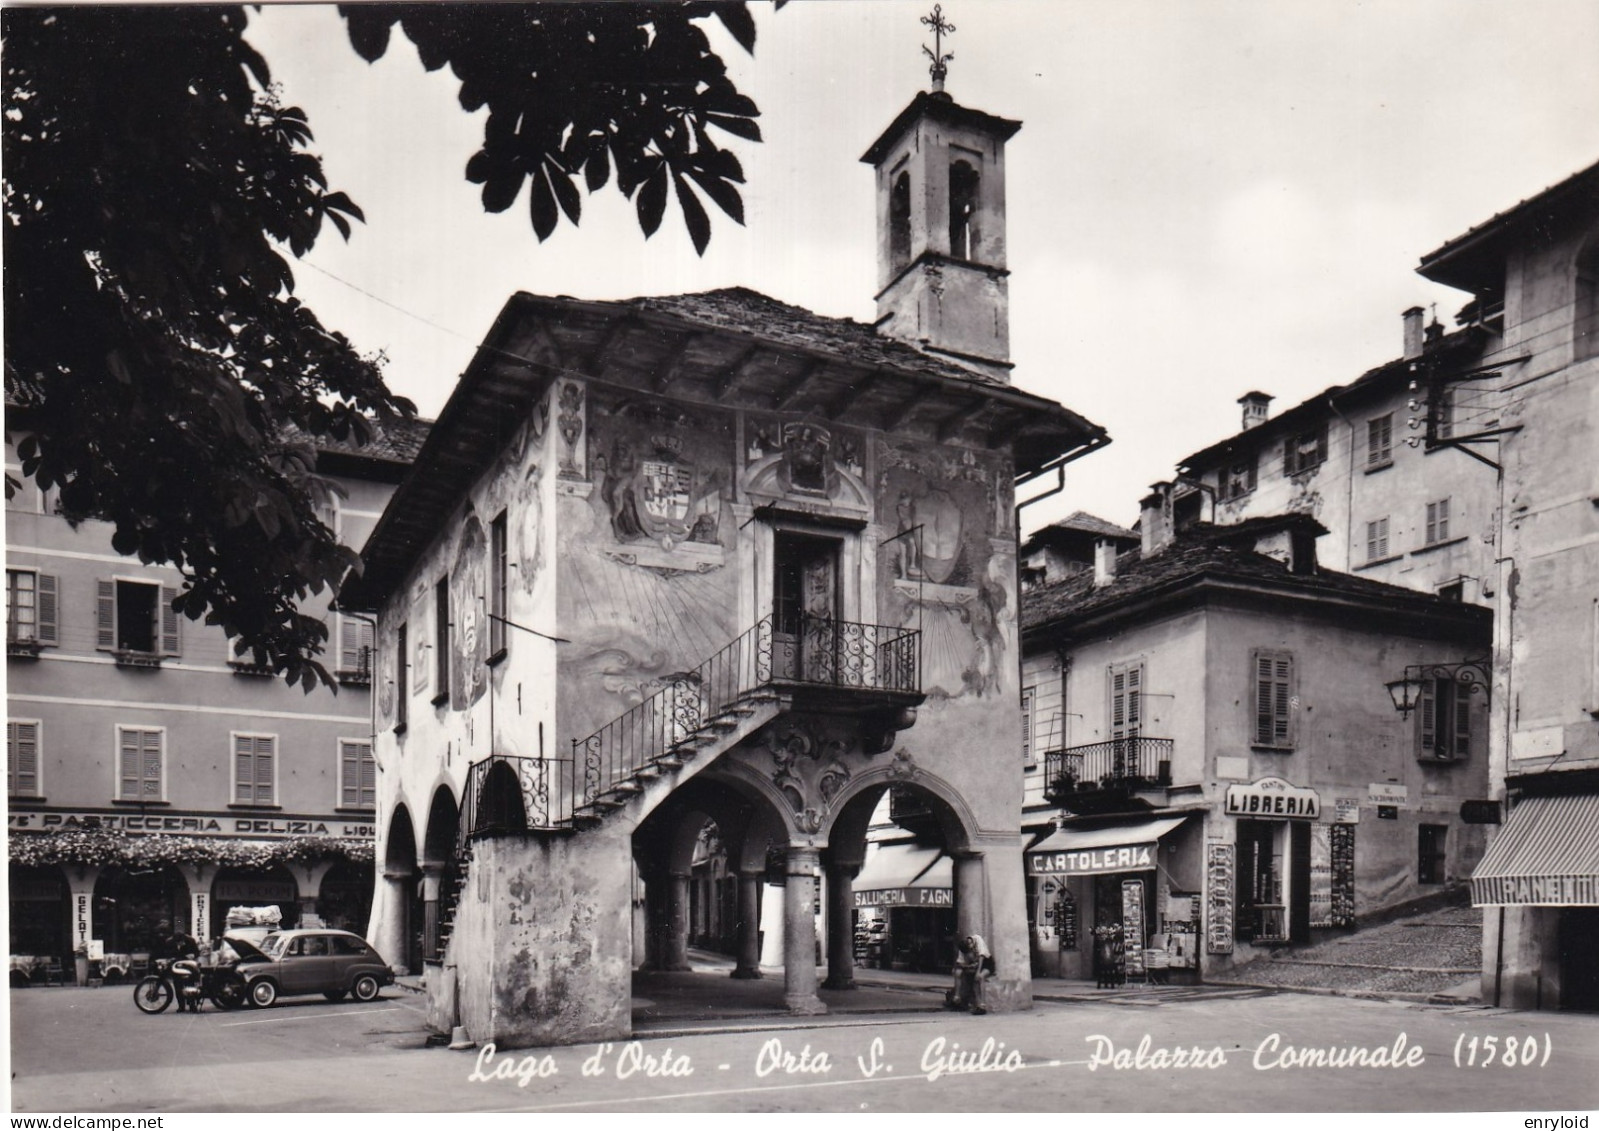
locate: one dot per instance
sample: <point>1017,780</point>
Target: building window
<point>1126,701</point>
<point>1377,540</point>
<point>963,182</point>
<point>441,637</point>
<point>1430,855</point>
<point>30,607</point>
<point>358,775</point>
<point>355,650</point>
<point>1443,414</point>
<point>1380,440</point>
<point>1273,697</point>
<point>499,564</point>
<point>402,693</point>
<point>1305,452</point>
<point>899,222</point>
<point>140,755</point>
<point>1029,695</point>
<point>1453,591</point>
<point>136,616</point>
<point>1239,479</point>
<point>1437,522</point>
<point>22,757</point>
<point>1444,708</point>
<point>255,769</point>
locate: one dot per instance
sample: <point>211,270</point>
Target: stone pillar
<point>799,933</point>
<point>391,928</point>
<point>749,926</point>
<point>432,881</point>
<point>841,926</point>
<point>674,955</point>
<point>971,899</point>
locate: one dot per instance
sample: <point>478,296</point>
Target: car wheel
<point>230,995</point>
<point>334,995</point>
<point>366,988</point>
<point>263,993</point>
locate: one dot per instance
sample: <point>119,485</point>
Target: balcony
<point>1119,767</point>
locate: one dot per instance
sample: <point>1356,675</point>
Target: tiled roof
<point>1093,524</point>
<point>750,312</point>
<point>1211,552</point>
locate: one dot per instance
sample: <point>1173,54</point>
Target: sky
<point>1206,197</point>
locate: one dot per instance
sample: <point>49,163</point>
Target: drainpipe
<point>1349,495</point>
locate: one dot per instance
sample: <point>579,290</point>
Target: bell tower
<point>941,275</point>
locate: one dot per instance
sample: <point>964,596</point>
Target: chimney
<point>1104,562</point>
<point>1256,406</point>
<point>1413,318</point>
<point>1155,519</point>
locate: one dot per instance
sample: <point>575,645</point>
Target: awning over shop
<point>905,875</point>
<point>1547,854</point>
<point>1127,847</point>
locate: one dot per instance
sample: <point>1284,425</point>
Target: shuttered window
<point>255,769</point>
<point>140,755</point>
<point>1445,719</point>
<point>22,758</point>
<point>1126,700</point>
<point>1380,440</point>
<point>358,775</point>
<point>1305,451</point>
<point>1377,540</point>
<point>1438,522</point>
<point>30,607</point>
<point>355,646</point>
<point>1273,698</point>
<point>1029,696</point>
<point>136,616</point>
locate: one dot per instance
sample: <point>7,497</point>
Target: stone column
<point>971,898</point>
<point>749,926</point>
<point>432,881</point>
<point>841,926</point>
<point>799,933</point>
<point>391,928</point>
<point>674,954</point>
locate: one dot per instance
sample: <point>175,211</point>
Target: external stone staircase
<point>1428,953</point>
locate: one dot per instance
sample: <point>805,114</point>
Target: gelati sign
<point>1273,797</point>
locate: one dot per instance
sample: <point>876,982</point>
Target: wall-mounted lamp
<point>1406,691</point>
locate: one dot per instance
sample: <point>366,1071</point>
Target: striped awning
<point>905,875</point>
<point>1126,847</point>
<point>1547,854</point>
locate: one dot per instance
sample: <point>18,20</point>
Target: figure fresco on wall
<point>658,478</point>
<point>569,422</point>
<point>469,633</point>
<point>946,579</point>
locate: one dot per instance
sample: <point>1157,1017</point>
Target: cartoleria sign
<point>1092,861</point>
<point>1272,797</point>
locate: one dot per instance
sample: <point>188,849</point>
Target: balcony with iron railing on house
<point>1119,767</point>
<point>867,670</point>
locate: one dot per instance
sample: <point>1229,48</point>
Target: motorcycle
<point>188,983</point>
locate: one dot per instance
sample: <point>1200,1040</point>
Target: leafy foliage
<point>104,846</point>
<point>582,90</point>
<point>168,380</point>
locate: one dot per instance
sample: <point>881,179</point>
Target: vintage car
<point>326,962</point>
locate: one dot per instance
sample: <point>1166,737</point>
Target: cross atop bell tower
<point>941,274</point>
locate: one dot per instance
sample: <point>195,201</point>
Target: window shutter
<point>369,777</point>
<point>131,753</point>
<point>349,775</point>
<point>265,755</point>
<point>1263,720</point>
<point>1274,678</point>
<point>1135,705</point>
<point>1428,706</point>
<point>1288,456</point>
<point>105,614</point>
<point>1462,735</point>
<point>243,770</point>
<point>23,740</point>
<point>45,609</point>
<point>169,621</point>
<point>1321,446</point>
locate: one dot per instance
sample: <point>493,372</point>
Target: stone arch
<point>438,842</point>
<point>955,817</point>
<point>399,848</point>
<point>499,805</point>
<point>899,221</point>
<point>399,937</point>
<point>964,187</point>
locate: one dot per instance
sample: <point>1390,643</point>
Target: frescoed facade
<point>739,565</point>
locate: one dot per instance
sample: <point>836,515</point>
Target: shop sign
<point>906,897</point>
<point>1563,891</point>
<point>80,924</point>
<point>1093,861</point>
<point>1346,811</point>
<point>1387,793</point>
<point>201,825</point>
<point>262,891</point>
<point>1272,797</point>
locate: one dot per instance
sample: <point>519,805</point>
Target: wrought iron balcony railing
<point>1120,764</point>
<point>512,793</point>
